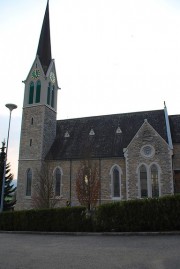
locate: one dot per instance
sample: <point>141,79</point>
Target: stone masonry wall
<point>69,171</point>
<point>23,201</point>
<point>162,156</point>
<point>37,133</point>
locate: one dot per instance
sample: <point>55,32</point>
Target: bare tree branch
<point>88,184</point>
<point>44,189</point>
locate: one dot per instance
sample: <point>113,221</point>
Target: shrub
<point>68,219</point>
<point>158,214</point>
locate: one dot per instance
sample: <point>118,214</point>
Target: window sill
<point>116,198</point>
<point>28,197</point>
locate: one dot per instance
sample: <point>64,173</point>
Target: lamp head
<point>11,106</point>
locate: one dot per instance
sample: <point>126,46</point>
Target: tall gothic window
<point>143,182</point>
<point>116,185</point>
<point>28,182</point>
<point>52,97</point>
<point>154,181</point>
<point>49,94</point>
<point>31,92</point>
<point>38,91</point>
<point>116,182</point>
<point>57,182</point>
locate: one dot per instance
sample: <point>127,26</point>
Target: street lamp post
<point>10,107</point>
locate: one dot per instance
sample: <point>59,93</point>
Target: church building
<point>137,154</point>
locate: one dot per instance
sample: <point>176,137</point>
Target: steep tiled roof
<point>101,136</point>
<point>175,128</point>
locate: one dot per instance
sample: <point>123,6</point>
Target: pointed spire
<point>44,47</point>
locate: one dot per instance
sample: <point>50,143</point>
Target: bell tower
<point>38,129</point>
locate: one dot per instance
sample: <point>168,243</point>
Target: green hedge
<point>67,219</point>
<point>161,214</point>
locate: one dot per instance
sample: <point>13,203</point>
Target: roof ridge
<point>110,115</point>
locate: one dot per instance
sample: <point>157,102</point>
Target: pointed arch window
<point>38,91</point>
<point>52,97</point>
<point>49,94</point>
<point>31,92</point>
<point>154,181</point>
<point>30,142</point>
<point>143,182</point>
<point>57,182</point>
<point>116,182</point>
<point>28,182</point>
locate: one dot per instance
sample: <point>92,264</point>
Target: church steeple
<point>44,47</point>
<point>41,83</point>
<point>38,128</point>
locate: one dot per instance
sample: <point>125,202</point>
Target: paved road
<point>26,251</point>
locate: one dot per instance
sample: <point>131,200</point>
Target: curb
<point>95,233</point>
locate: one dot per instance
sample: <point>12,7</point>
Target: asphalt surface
<point>31,251</point>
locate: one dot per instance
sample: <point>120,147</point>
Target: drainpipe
<point>168,127</point>
<point>100,181</point>
<point>169,141</point>
<point>70,182</point>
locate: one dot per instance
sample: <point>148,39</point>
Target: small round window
<point>147,151</point>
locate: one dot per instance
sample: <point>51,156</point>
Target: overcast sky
<point>111,56</point>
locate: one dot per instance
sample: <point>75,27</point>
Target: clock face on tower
<point>52,77</point>
<point>35,73</point>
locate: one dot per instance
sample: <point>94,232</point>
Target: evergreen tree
<point>2,158</point>
<point>9,189</point>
